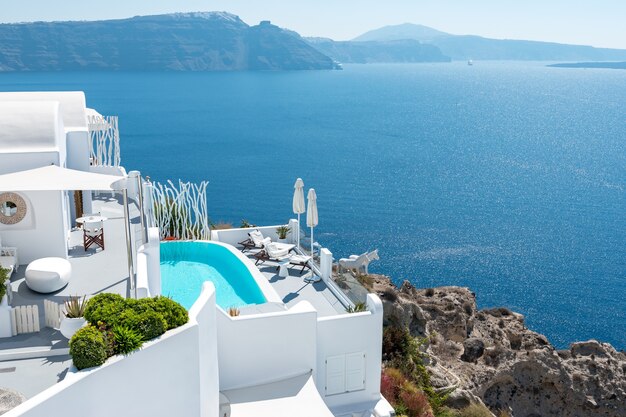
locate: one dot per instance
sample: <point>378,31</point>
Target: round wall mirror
<point>12,208</point>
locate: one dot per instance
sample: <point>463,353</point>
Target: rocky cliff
<point>489,355</point>
<point>398,51</point>
<point>211,41</point>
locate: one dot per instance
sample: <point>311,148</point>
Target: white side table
<point>283,268</point>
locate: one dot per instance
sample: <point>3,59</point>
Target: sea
<point>505,177</point>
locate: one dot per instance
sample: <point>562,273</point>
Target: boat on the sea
<point>470,62</point>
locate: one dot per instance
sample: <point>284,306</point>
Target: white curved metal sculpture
<point>181,212</point>
<point>105,140</point>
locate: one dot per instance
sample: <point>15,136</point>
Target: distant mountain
<point>463,47</point>
<point>203,41</point>
<point>607,65</point>
<point>407,50</point>
<point>403,31</point>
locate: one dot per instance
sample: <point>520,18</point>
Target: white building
<point>298,353</point>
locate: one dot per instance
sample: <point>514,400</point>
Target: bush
<point>105,308</point>
<point>118,325</point>
<point>429,292</point>
<point>4,274</point>
<point>88,348</point>
<point>148,324</point>
<point>174,314</point>
<point>416,403</point>
<point>126,340</point>
<point>475,410</point>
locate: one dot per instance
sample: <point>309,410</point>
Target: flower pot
<point>69,326</point>
<point>282,240</point>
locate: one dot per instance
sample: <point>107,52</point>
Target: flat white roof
<point>291,397</point>
<point>33,126</point>
<point>72,104</point>
<point>54,178</point>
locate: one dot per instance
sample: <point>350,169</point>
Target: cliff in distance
<point>490,356</point>
<point>394,51</point>
<point>211,41</point>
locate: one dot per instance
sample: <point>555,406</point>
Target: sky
<point>599,23</point>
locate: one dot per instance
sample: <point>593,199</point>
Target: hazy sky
<point>588,22</point>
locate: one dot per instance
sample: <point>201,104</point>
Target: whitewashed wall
<point>149,266</point>
<point>347,334</point>
<point>233,236</point>
<point>42,232</point>
<point>78,149</point>
<point>266,347</point>
<point>174,375</point>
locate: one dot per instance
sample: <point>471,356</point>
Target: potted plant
<point>3,285</point>
<point>282,232</point>
<point>73,320</point>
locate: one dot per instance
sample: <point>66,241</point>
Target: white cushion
<point>258,239</point>
<point>276,252</point>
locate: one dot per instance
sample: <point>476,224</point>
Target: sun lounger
<point>274,252</point>
<point>255,240</point>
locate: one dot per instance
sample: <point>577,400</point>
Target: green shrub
<point>4,274</point>
<point>357,308</point>
<point>148,324</point>
<point>126,340</point>
<point>105,308</point>
<point>88,348</point>
<point>121,326</point>
<point>174,314</point>
<point>475,410</point>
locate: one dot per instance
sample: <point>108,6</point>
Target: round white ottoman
<point>48,274</point>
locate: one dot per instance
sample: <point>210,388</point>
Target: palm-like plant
<point>75,307</point>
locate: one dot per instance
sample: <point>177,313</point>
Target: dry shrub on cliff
<point>366,280</point>
<point>475,410</point>
<point>402,351</point>
<point>405,397</point>
<point>416,404</point>
<point>429,292</point>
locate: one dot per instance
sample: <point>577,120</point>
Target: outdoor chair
<point>255,240</point>
<point>93,234</point>
<point>300,260</point>
<point>274,252</point>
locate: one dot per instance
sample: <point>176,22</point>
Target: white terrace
<point>302,354</point>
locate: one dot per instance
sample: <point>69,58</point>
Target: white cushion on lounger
<point>276,251</point>
<point>258,239</point>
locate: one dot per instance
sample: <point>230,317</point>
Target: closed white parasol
<point>298,203</point>
<point>311,213</point>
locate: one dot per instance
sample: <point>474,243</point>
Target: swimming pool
<point>185,266</point>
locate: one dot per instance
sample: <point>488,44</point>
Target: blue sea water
<point>508,178</point>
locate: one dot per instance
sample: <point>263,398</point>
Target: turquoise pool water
<point>185,266</point>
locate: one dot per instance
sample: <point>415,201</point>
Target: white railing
<point>105,140</point>
<point>180,212</point>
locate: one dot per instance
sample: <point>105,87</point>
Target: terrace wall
<point>167,377</point>
<point>233,236</point>
<point>349,334</point>
<point>266,347</point>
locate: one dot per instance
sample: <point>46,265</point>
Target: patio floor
<point>32,362</point>
<point>293,289</point>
